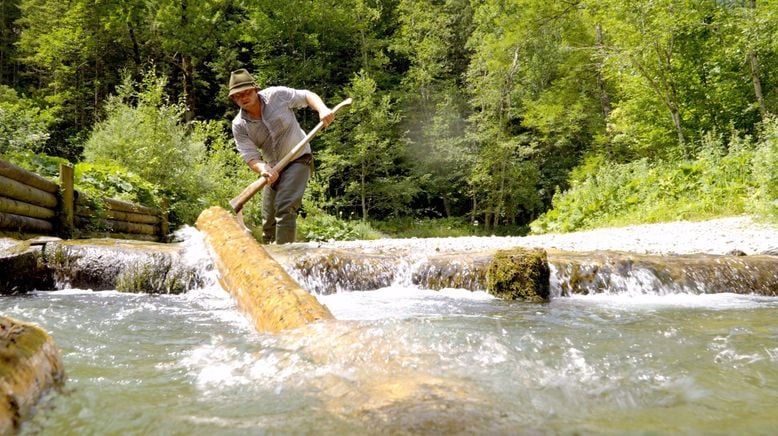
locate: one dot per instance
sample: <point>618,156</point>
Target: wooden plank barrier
<point>32,204</point>
<point>27,201</point>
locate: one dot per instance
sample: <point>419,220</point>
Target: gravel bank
<point>719,236</point>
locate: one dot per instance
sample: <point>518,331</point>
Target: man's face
<point>245,99</point>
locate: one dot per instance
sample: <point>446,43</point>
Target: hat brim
<point>241,88</point>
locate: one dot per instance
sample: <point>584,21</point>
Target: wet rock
<point>97,264</point>
<point>129,266</point>
<point>339,270</point>
<point>453,271</point>
<point>22,269</point>
<point>570,272</point>
<point>618,272</point>
<point>519,274</point>
<point>30,365</point>
<point>771,251</point>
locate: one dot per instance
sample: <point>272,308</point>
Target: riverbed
<point>404,360</point>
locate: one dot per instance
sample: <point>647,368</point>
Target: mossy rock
<point>157,274</point>
<point>30,365</point>
<point>519,274</point>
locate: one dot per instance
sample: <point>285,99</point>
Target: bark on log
<point>30,365</point>
<point>273,300</point>
<point>16,207</point>
<point>85,212</point>
<point>119,205</point>
<point>117,226</point>
<point>13,172</point>
<point>20,191</point>
<point>17,222</point>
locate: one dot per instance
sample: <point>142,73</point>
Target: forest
<point>495,115</point>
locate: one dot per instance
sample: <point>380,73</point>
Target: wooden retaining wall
<point>33,205</point>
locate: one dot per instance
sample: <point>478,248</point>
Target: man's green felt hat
<point>241,80</point>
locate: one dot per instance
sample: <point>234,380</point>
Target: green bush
<point>765,165</point>
<point>145,134</point>
<point>720,181</point>
<point>317,225</point>
<point>113,181</point>
<point>39,163</point>
<point>23,126</point>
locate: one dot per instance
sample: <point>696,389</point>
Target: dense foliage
<point>496,112</point>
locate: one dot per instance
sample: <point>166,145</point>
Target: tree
<point>431,35</point>
<point>144,133</point>
<point>360,162</point>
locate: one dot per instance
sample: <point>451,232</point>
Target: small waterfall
<point>326,270</point>
<point>636,274</point>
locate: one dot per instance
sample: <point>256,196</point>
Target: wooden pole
<point>17,207</point>
<point>84,211</point>
<point>67,198</point>
<point>13,222</point>
<point>164,225</point>
<point>13,172</point>
<point>21,191</point>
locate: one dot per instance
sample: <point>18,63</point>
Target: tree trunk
<point>187,68</point>
<point>676,115</point>
<point>753,61</point>
<point>604,99</point>
<point>187,71</point>
<point>362,193</point>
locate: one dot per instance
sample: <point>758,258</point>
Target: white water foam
<point>722,301</point>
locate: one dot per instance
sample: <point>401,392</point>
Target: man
<point>265,130</point>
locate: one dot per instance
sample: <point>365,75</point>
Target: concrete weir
<point>272,298</point>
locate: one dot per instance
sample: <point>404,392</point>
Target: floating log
<point>16,207</point>
<point>17,222</point>
<point>273,300</point>
<point>20,191</point>
<point>30,365</point>
<point>13,172</point>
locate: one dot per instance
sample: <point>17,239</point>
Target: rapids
<point>406,360</point>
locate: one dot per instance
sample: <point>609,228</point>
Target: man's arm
<point>326,115</point>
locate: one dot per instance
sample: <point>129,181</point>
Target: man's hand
<point>326,116</point>
<point>265,170</point>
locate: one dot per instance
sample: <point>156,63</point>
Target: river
<point>402,360</point>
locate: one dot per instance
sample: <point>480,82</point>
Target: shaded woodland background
<point>564,115</point>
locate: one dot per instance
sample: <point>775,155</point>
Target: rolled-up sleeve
<point>248,151</point>
<point>294,98</point>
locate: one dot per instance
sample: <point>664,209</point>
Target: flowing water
<point>402,360</point>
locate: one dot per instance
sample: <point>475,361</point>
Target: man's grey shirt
<point>272,137</point>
